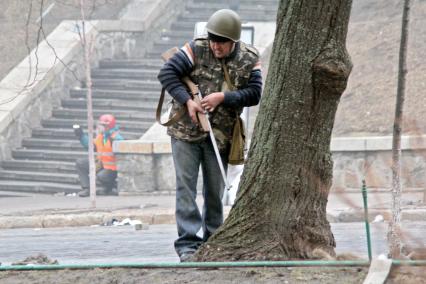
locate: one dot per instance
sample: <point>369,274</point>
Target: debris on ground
<point>110,222</point>
<point>378,218</point>
<point>127,222</point>
<point>37,259</point>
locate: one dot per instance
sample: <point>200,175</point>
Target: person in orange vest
<point>106,166</point>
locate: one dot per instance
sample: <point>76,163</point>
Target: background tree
<point>394,233</point>
<point>86,9</point>
<point>88,46</point>
<point>280,210</point>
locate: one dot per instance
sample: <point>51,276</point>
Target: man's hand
<point>78,131</point>
<point>210,102</point>
<point>193,108</point>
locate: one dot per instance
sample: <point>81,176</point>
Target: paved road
<point>91,245</point>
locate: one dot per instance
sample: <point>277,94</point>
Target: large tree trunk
<point>280,211</point>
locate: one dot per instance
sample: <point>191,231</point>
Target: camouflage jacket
<point>208,75</point>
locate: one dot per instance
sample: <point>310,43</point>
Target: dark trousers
<point>188,157</point>
<point>106,178</point>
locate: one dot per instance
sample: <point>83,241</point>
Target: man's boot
<point>84,193</point>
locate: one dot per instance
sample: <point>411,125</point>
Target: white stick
<point>216,151</point>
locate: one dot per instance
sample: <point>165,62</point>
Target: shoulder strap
<point>175,117</point>
<point>227,78</point>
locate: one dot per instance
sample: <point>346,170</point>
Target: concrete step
<point>185,26</point>
<point>121,116</point>
<point>48,155</point>
<point>224,3</point>
<point>221,4</point>
<point>165,44</point>
<point>123,84</point>
<point>112,105</point>
<point>38,187</point>
<point>65,133</point>
<point>68,133</point>
<point>155,53</point>
<point>39,166</point>
<point>48,144</point>
<point>176,34</point>
<point>130,126</point>
<point>256,13</point>
<point>246,9</point>
<point>125,74</point>
<point>148,96</point>
<point>125,120</point>
<point>248,14</point>
<point>39,177</point>
<point>141,63</point>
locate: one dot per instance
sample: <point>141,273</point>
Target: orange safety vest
<point>104,152</point>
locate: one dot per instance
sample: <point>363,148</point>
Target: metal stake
<point>367,224</point>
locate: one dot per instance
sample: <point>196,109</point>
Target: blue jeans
<point>187,159</point>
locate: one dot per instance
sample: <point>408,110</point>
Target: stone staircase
<point>45,162</point>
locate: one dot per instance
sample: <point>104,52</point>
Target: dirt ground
<point>234,275</point>
<point>330,275</point>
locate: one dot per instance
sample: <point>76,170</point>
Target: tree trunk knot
<point>331,70</point>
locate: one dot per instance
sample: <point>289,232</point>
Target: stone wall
<point>146,165</point>
<point>39,107</point>
<point>351,168</point>
<point>146,174</point>
<point>370,158</point>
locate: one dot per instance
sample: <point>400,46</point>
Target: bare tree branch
<point>32,75</point>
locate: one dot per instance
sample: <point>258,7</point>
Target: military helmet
<point>225,23</point>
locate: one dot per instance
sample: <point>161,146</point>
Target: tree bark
<point>394,233</point>
<point>280,210</point>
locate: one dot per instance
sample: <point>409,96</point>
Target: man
<point>201,60</point>
<point>106,167</point>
